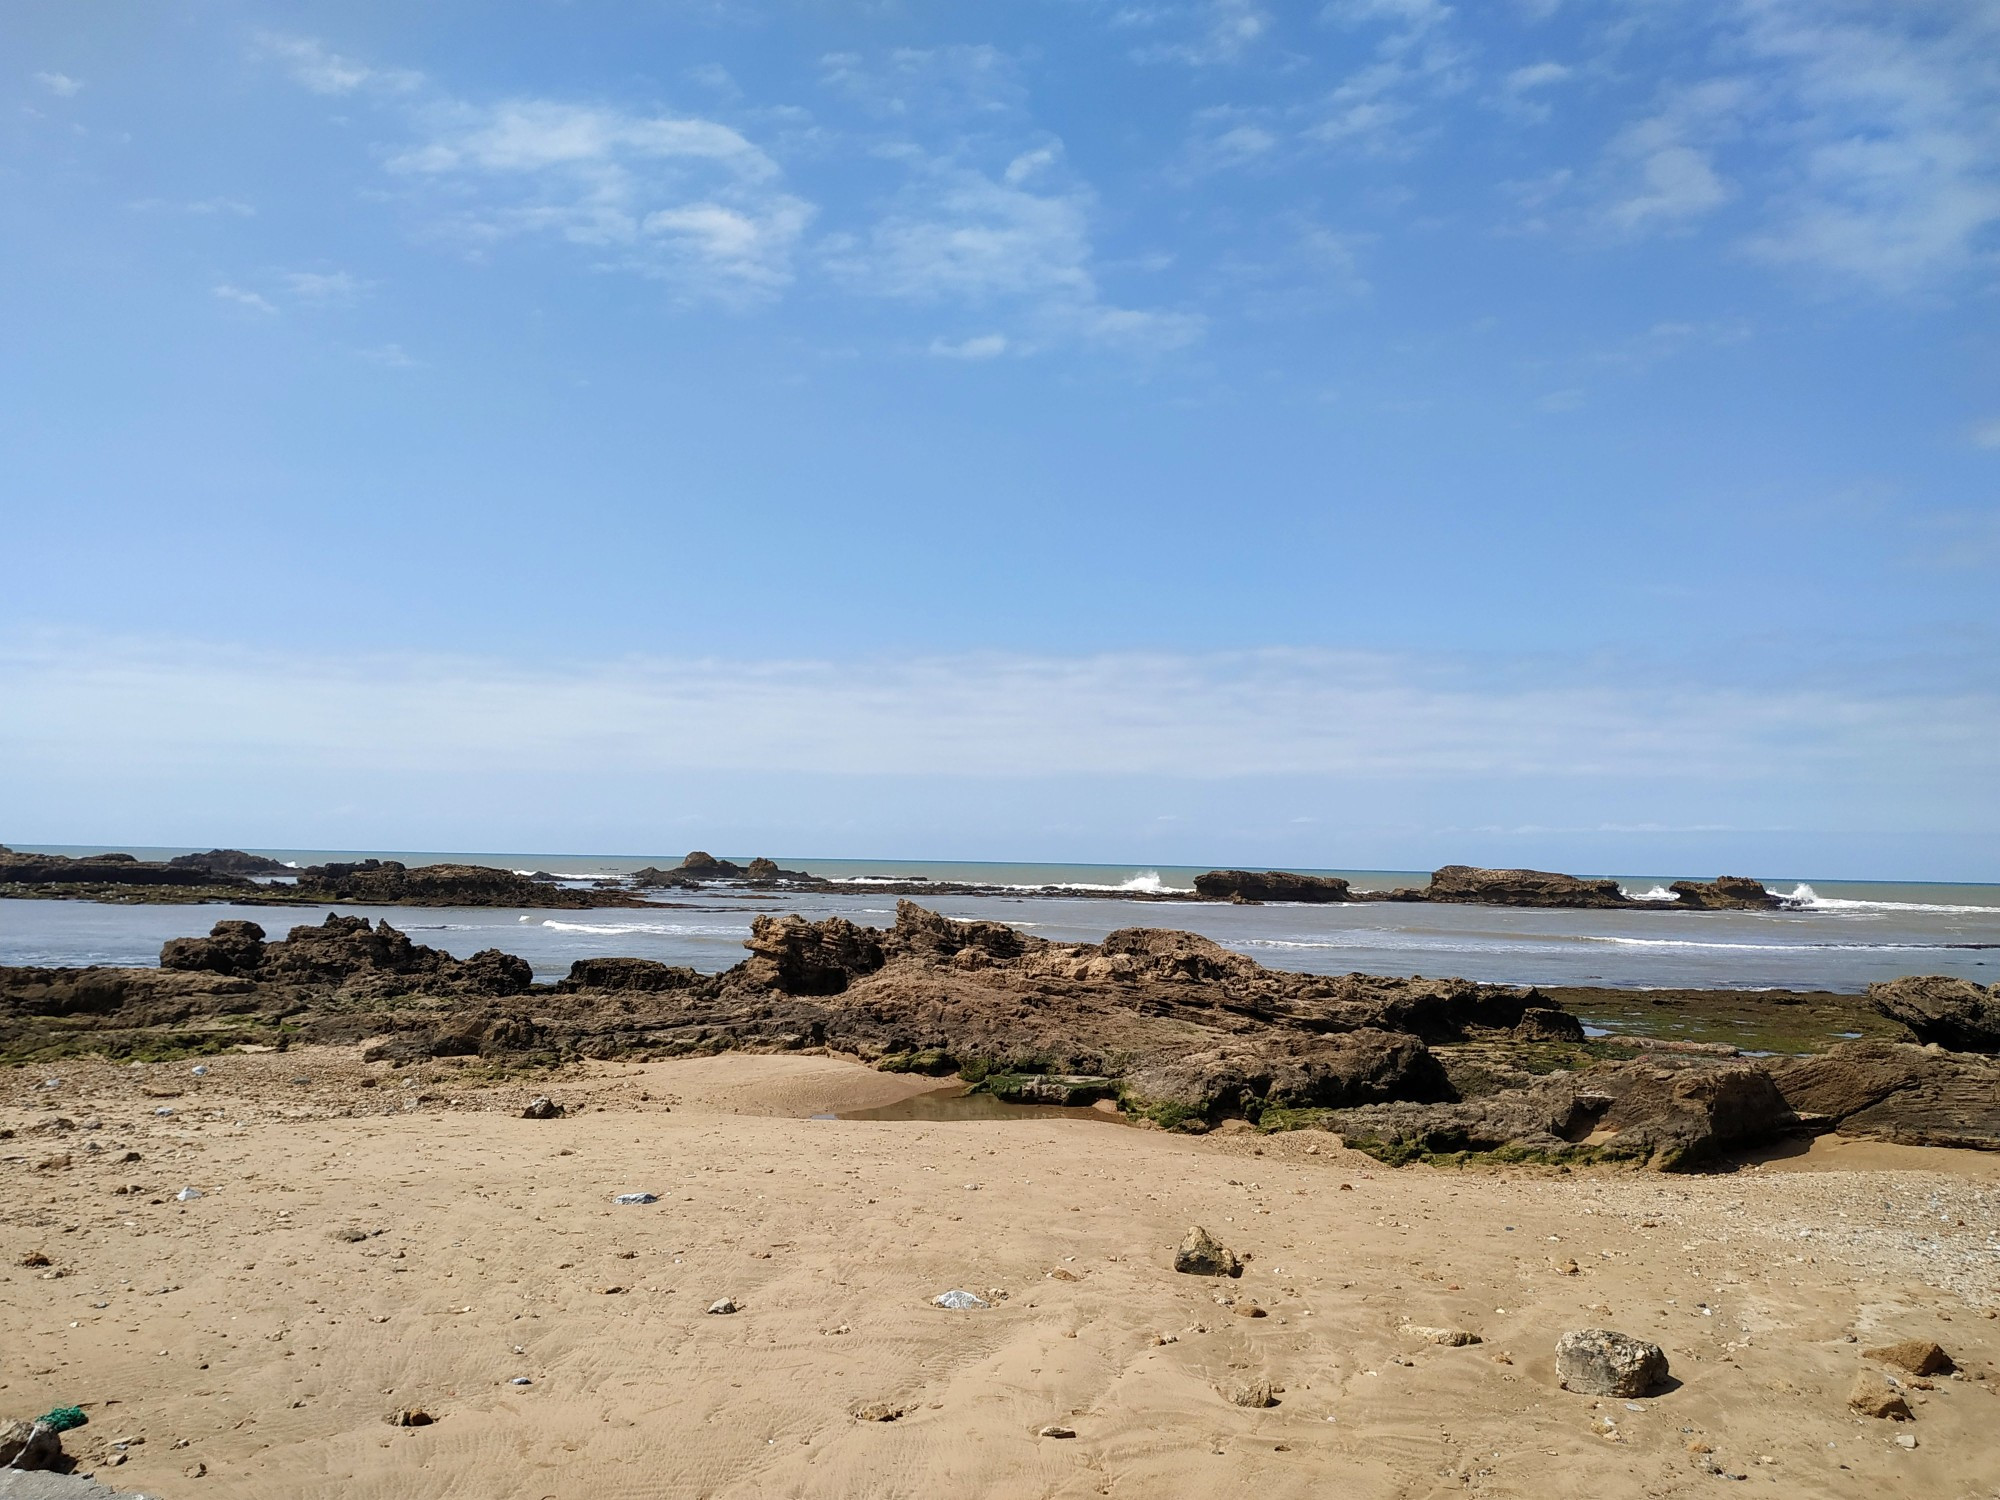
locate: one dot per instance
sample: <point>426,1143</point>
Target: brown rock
<point>1465,884</point>
<point>1252,1393</point>
<point>1201,1254</point>
<point>1954,1013</point>
<point>1725,893</point>
<point>1918,1356</point>
<point>1873,1396</point>
<point>1269,885</point>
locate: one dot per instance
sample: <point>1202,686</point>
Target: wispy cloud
<point>1896,115</point>
<point>1985,434</point>
<point>1260,713</point>
<point>1211,32</point>
<point>324,71</point>
<point>249,301</point>
<point>1662,168</point>
<point>60,84</point>
<point>980,346</point>
<point>1017,240</point>
<point>323,287</point>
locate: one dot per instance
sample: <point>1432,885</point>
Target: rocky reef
<point>389,882</point>
<point>1176,1028</point>
<point>1270,885</point>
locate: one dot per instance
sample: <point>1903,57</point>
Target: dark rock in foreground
<point>1891,1091</point>
<point>1269,885</point>
<point>1954,1013</point>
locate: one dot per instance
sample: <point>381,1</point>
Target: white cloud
<point>982,346</point>
<point>1223,31</point>
<point>1662,169</point>
<point>241,297</point>
<point>1539,75</point>
<point>389,356</point>
<point>60,84</point>
<point>1894,119</point>
<point>1259,713</point>
<point>326,286</point>
<point>956,82</point>
<point>327,72</point>
<point>689,200</point>
<point>200,207</point>
<point>959,235</point>
<point>1986,434</point>
<point>1676,184</point>
<point>1384,108</point>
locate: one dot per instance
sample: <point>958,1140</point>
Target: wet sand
<point>244,1327</point>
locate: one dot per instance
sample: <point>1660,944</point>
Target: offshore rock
<point>103,869</point>
<point>229,862</point>
<point>1464,883</point>
<point>1725,893</point>
<point>389,882</point>
<point>1269,885</point>
<point>1954,1013</point>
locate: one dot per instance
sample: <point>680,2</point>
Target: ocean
<point>1832,935</point>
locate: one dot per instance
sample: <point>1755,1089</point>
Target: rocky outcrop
<point>389,882</point>
<point>1893,1091</point>
<point>1672,1116</point>
<point>1954,1013</point>
<point>702,866</point>
<point>1269,885</point>
<point>1465,884</point>
<point>104,869</point>
<point>799,957</point>
<point>633,975</point>
<point>229,862</point>
<point>1725,893</point>
<point>229,948</point>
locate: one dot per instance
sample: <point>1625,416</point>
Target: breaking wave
<point>1804,898</point>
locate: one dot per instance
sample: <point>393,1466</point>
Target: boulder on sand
<point>1604,1362</point>
<point>1202,1254</point>
<point>1874,1396</point>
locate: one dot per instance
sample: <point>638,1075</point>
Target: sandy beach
<point>370,1241</point>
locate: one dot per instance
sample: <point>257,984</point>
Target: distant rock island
<point>252,879</point>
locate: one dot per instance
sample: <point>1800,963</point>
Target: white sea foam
<point>1805,898</point>
<point>660,929</point>
<point>1657,893</point>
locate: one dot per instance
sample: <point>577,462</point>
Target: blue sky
<point>1353,434</point>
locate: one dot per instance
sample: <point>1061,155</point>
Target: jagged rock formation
<point>229,862</point>
<point>1465,884</point>
<point>1269,885</point>
<point>1725,893</point>
<point>104,869</point>
<point>1954,1013</point>
<point>389,882</point>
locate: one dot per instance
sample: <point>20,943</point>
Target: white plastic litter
<point>960,1301</point>
<point>637,1198</point>
<point>200,1070</point>
<point>187,1195</point>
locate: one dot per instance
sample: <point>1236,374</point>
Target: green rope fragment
<point>63,1418</point>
